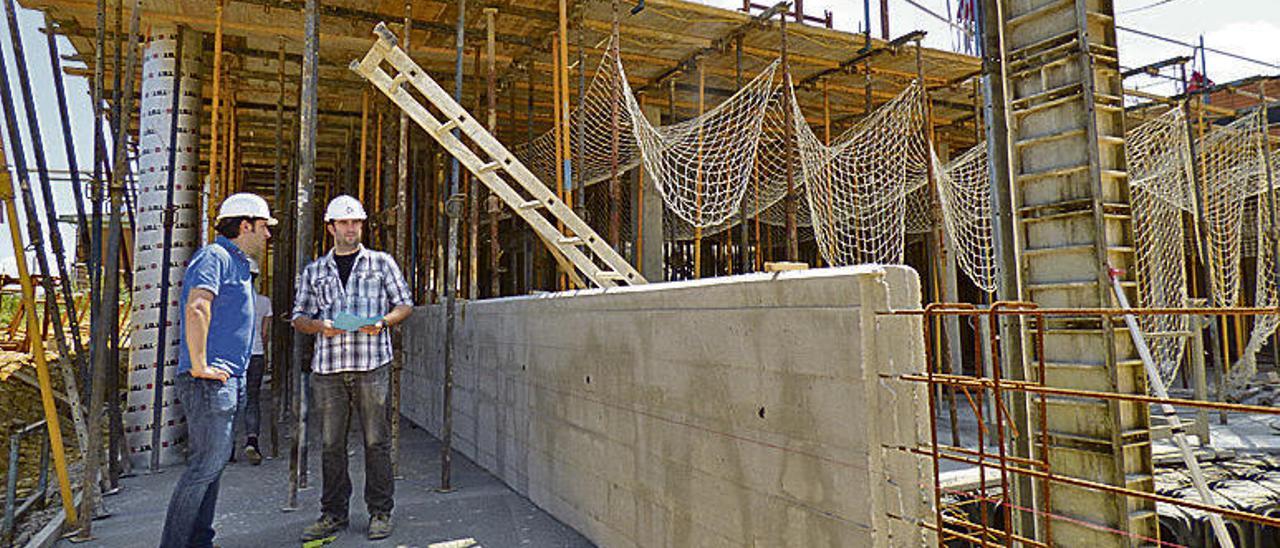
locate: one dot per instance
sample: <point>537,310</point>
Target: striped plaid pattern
<point>374,288</point>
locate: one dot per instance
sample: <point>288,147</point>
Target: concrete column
<point>154,117</point>
<point>651,263</point>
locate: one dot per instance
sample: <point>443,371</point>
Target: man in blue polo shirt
<point>217,336</point>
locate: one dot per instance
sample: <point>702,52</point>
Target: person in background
<point>253,379</point>
<point>349,297</point>
<point>216,341</point>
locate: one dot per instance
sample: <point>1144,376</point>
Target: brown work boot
<point>324,527</point>
<point>379,526</point>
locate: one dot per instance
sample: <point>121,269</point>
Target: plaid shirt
<point>373,289</point>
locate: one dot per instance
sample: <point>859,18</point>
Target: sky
<point>1249,28</point>
<point>30,23</point>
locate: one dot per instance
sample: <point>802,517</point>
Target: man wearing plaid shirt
<point>349,296</point>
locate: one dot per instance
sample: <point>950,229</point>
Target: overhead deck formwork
<point>665,41</point>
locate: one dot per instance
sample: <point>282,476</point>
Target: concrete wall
<point>745,411</point>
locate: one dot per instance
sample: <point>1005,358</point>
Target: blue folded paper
<point>351,322</point>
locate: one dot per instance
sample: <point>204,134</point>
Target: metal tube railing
<point>12,509</point>
<point>996,428</point>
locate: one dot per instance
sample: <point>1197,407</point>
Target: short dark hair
<point>229,227</point>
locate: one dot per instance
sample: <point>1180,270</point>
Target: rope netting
<point>964,193</point>
<point>1159,163</point>
<point>858,186</point>
<point>701,165</point>
<point>1252,172</point>
<point>1229,165</point>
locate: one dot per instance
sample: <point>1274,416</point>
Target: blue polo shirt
<point>223,269</point>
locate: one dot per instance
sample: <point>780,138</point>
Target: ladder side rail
<point>468,125</point>
<point>549,234</point>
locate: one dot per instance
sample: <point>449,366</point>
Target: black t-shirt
<point>345,263</point>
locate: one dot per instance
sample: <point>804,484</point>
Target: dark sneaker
<point>379,526</point>
<point>251,452</point>
<point>324,527</point>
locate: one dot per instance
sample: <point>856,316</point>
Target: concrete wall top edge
<point>894,271</point>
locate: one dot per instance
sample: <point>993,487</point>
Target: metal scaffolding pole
<point>51,221</point>
<point>37,342</point>
<point>120,188</point>
<point>402,255</point>
<point>282,273</point>
<point>453,210</point>
<point>73,166</point>
<point>170,215</point>
<point>305,239</point>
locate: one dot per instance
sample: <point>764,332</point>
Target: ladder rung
<point>399,79</point>
<point>447,126</point>
<point>570,240</point>
<point>611,276</point>
<point>531,204</point>
<point>489,167</point>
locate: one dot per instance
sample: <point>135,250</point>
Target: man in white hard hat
<point>349,297</point>
<point>216,342</point>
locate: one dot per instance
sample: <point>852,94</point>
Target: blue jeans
<point>336,396</point>
<point>253,401</point>
<point>210,406</point>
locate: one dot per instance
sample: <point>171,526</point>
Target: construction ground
<point>684,275</point>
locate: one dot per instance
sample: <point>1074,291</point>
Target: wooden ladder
<point>577,247</point>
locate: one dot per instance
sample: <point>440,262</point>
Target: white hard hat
<point>244,204</point>
<point>343,208</point>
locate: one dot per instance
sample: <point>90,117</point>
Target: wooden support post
<point>744,244</point>
<point>615,185</point>
<point>215,196</point>
<point>377,164</point>
<point>558,130</point>
<point>697,189</point>
<point>493,203</point>
<point>563,99</point>
<point>364,146</point>
<point>791,201</point>
<point>474,189</point>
